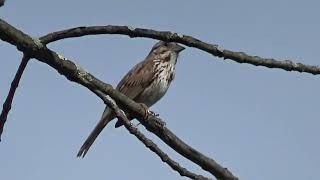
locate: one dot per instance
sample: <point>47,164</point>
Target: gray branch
<point>147,142</point>
<point>74,73</point>
<point>215,50</point>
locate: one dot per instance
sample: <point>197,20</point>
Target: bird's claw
<point>148,112</point>
<point>153,113</point>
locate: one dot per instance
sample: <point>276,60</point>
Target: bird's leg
<point>146,110</point>
<point>149,112</point>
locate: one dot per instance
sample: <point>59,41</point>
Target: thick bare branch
<point>14,84</point>
<point>190,41</point>
<point>147,142</point>
<point>75,73</point>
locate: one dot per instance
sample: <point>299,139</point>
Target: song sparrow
<point>145,83</point>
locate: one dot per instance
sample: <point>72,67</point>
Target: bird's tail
<point>107,116</point>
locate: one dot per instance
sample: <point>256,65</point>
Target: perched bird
<point>145,83</point>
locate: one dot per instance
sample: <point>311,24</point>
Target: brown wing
<point>137,79</point>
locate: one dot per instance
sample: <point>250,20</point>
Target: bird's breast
<point>157,89</point>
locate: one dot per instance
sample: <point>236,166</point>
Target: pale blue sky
<point>260,123</point>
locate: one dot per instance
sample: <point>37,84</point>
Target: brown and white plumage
<point>145,83</point>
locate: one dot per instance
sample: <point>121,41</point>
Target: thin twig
<point>14,84</point>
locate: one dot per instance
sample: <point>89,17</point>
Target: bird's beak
<point>179,48</point>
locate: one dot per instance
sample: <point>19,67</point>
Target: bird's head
<point>168,51</point>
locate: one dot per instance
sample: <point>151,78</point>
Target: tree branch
<point>190,41</point>
<point>75,73</point>
<point>147,142</point>
<point>14,84</point>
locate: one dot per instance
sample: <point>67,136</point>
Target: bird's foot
<point>153,113</point>
<point>148,111</point>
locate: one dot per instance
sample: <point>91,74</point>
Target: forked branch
<point>75,73</point>
<point>147,142</point>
